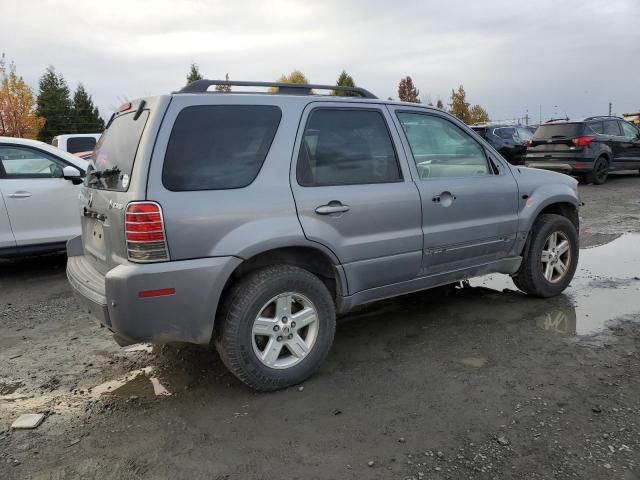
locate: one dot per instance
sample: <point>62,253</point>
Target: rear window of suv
<point>218,147</point>
<point>112,160</point>
<point>559,130</point>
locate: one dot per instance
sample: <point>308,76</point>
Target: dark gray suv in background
<point>251,219</point>
<point>588,148</point>
<point>509,140</point>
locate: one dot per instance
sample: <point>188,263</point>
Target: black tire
<point>600,172</point>
<point>530,277</point>
<point>234,338</point>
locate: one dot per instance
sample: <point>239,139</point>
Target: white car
<point>76,143</point>
<point>39,186</point>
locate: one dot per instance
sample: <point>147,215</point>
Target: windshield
<point>558,130</point>
<point>112,160</point>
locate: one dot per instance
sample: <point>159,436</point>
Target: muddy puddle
<point>141,383</point>
<point>606,287</point>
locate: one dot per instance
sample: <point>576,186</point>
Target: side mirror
<point>73,174</point>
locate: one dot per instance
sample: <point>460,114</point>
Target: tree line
<point>54,110</point>
<point>407,92</point>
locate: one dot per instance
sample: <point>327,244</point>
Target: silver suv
<point>250,219</point>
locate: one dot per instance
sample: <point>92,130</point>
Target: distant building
<point>632,117</point>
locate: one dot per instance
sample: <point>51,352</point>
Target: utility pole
<point>526,118</point>
<point>540,114</point>
<point>610,105</point>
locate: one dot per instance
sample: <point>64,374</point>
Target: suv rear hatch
<point>111,183</point>
<point>556,137</point>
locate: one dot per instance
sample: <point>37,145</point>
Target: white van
<point>76,142</point>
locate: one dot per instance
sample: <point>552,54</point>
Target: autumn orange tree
<point>18,117</point>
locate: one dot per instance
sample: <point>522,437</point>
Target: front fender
<point>541,198</point>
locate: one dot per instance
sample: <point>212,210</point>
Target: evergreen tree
<point>459,105</point>
<point>407,92</point>
<point>194,74</point>
<point>54,105</point>
<point>344,80</point>
<point>86,117</point>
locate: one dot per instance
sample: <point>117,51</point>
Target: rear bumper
<point>187,315</point>
<point>566,163</point>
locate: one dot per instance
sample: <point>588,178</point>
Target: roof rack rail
<point>202,86</point>
<point>594,117</point>
<point>565,119</point>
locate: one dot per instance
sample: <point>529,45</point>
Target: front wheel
<point>551,258</point>
<point>276,327</point>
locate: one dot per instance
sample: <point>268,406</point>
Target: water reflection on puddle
<point>606,287</point>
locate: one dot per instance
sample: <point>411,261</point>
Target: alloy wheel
<point>285,330</point>
<point>556,257</point>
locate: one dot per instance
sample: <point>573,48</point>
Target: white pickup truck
<point>80,144</point>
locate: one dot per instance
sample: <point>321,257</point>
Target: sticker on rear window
<point>125,181</point>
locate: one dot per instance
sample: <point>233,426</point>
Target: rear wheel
<point>276,326</point>
<point>599,173</point>
<point>551,258</point>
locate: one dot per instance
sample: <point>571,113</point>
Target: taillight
<point>144,231</point>
<point>583,141</point>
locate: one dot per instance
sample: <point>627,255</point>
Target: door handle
<point>445,199</point>
<point>20,194</point>
<point>332,207</point>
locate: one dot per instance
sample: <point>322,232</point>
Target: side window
<point>217,147</point>
<point>524,134</point>
<point>597,127</point>
<point>506,133</point>
<point>346,147</point>
<point>629,130</point>
<point>611,127</point>
<point>441,149</point>
<point>19,162</point>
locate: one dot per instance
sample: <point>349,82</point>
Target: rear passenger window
<point>217,147</point>
<point>346,147</point>
<point>506,133</point>
<point>597,127</point>
<point>611,127</point>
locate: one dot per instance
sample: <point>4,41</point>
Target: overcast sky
<point>570,56</point>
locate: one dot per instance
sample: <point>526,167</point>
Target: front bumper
<point>114,299</point>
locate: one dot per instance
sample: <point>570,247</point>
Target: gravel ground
<point>479,382</point>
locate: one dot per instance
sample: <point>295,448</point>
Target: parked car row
<point>589,148</point>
